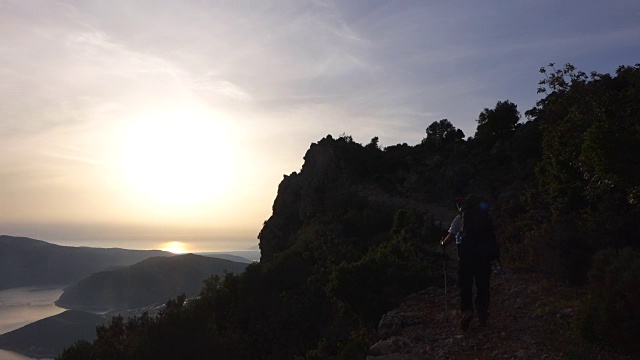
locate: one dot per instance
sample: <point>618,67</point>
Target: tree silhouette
<point>497,123</point>
<point>442,132</point>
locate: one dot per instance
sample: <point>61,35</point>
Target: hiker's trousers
<point>474,269</point>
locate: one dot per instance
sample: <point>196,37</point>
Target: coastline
<point>25,305</point>
<point>22,306</point>
<point>11,355</point>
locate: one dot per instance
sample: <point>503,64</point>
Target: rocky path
<point>531,318</point>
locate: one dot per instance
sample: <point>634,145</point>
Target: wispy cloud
<point>280,74</point>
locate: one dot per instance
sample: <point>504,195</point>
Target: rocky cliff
<point>325,183</point>
<point>338,173</point>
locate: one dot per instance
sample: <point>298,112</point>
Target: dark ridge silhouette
<point>154,280</point>
<point>243,256</point>
<point>30,262</point>
<point>47,338</point>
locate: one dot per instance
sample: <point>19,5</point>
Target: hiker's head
<point>459,200</point>
<point>471,201</point>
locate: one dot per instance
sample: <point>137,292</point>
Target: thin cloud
<point>281,75</point>
<point>211,87</point>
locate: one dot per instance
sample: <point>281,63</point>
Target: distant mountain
<point>154,280</point>
<point>244,256</point>
<point>47,338</point>
<point>30,262</point>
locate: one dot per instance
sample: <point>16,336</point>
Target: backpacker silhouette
<point>477,238</point>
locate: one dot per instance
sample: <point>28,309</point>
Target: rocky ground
<point>531,318</point>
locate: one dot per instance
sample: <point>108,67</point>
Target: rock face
<point>336,174</point>
<point>324,183</point>
<point>403,329</point>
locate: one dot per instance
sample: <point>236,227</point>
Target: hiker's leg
<point>465,282</point>
<point>482,275</point>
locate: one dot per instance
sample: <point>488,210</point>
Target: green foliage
<point>611,314</point>
<point>345,137</point>
<point>281,308</point>
<point>373,144</point>
<point>591,156</point>
<point>527,144</point>
<point>442,133</point>
<point>80,350</point>
<point>591,136</point>
<point>389,272</point>
<point>497,123</point>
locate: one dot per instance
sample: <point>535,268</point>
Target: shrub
<point>611,314</point>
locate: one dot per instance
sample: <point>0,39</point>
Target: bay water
<point>22,306</point>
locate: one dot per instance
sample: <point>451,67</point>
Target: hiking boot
<point>467,316</point>
<point>482,319</point>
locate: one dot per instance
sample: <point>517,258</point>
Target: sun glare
<point>178,158</point>
<point>176,247</point>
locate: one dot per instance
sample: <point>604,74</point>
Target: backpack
<point>477,238</point>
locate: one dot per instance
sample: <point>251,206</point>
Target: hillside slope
<point>30,262</point>
<point>154,280</point>
<point>61,331</point>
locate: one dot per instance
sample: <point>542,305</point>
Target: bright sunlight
<point>178,158</point>
<point>176,247</point>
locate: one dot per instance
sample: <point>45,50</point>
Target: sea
<point>22,306</point>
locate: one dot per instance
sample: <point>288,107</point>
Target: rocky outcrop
<point>337,173</point>
<point>325,183</point>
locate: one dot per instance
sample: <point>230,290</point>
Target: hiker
<point>472,230</point>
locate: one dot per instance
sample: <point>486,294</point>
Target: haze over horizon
<point>134,124</point>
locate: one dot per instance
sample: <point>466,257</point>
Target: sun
<point>178,157</point>
<point>176,247</point>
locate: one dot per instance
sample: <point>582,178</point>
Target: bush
<point>611,314</point>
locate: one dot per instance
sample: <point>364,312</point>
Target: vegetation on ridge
<point>355,230</point>
<point>150,281</point>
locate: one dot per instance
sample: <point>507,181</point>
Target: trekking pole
<point>446,310</point>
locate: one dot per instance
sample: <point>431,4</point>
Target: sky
<point>136,124</point>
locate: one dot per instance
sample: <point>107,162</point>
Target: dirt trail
<point>531,318</point>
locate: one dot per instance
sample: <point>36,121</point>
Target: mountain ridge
<point>153,280</point>
<point>31,262</point>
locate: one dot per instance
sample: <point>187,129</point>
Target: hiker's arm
<point>456,226</point>
<point>447,239</point>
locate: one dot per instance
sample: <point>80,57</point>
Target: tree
<point>498,123</point>
<point>442,132</point>
<point>589,172</point>
<point>80,350</point>
<point>373,144</point>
